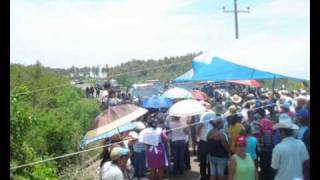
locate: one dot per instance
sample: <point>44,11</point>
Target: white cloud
<point>62,33</point>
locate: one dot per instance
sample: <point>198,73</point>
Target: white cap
<point>133,134</point>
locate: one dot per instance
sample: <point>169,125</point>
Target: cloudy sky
<point>62,33</point>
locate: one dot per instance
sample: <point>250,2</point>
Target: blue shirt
<point>287,158</point>
<point>251,146</point>
<point>138,147</point>
<point>301,132</point>
<point>276,137</point>
<point>206,117</point>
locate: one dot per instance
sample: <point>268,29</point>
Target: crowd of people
<point>91,90</point>
<point>241,136</point>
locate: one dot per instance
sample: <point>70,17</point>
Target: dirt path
<point>91,172</point>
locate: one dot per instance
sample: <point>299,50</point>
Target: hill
<point>138,71</point>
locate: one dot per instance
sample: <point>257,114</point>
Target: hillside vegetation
<point>45,123</point>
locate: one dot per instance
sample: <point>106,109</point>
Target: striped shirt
<point>138,147</point>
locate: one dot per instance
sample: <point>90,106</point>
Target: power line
<point>62,85</point>
<point>107,145</point>
<point>236,11</point>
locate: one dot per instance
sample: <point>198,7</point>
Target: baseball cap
<point>241,140</point>
<point>118,152</point>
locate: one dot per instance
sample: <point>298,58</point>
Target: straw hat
<point>250,96</point>
<point>236,99</point>
<point>285,122</point>
<point>117,152</point>
<point>252,102</point>
<point>231,110</point>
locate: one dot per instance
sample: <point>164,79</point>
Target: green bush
<point>45,123</point>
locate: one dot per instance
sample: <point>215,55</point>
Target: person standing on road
<point>234,129</point>
<point>139,160</point>
<point>91,91</point>
<point>288,156</point>
<point>218,150</point>
<point>87,92</point>
<point>156,155</point>
<point>97,92</point>
<point>266,145</point>
<point>202,132</point>
<point>179,139</point>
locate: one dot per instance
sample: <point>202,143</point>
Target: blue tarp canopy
<point>218,69</point>
<point>185,77</point>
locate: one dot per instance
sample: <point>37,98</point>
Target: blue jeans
<point>217,165</point>
<point>139,163</point>
<point>179,148</point>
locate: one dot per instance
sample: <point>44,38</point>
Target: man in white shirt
<point>202,131</point>
<point>179,141</point>
<point>290,153</point>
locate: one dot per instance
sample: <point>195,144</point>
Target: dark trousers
<point>267,173</point>
<point>187,157</point>
<point>179,148</point>
<point>202,156</point>
<point>139,164</point>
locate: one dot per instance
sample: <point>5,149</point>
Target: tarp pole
<point>273,84</point>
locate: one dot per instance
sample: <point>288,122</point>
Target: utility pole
<point>236,11</point>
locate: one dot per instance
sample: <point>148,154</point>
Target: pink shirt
<point>265,126</point>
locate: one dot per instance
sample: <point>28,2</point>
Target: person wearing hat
<point>241,165</point>
<point>139,160</point>
<point>231,110</point>
<point>285,108</point>
<point>302,116</point>
<point>250,96</point>
<point>218,148</point>
<point>244,111</point>
<point>301,102</point>
<point>114,169</point>
<point>220,110</point>
<point>289,155</point>
<point>236,100</point>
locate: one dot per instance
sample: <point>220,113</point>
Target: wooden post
<point>273,85</point>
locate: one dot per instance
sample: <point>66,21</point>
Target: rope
<point>107,145</point>
<point>53,87</point>
<point>63,156</point>
<point>43,89</point>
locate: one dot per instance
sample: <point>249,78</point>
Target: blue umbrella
<point>156,102</point>
<point>121,129</point>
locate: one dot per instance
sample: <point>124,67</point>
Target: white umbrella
<point>177,93</point>
<point>186,108</point>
